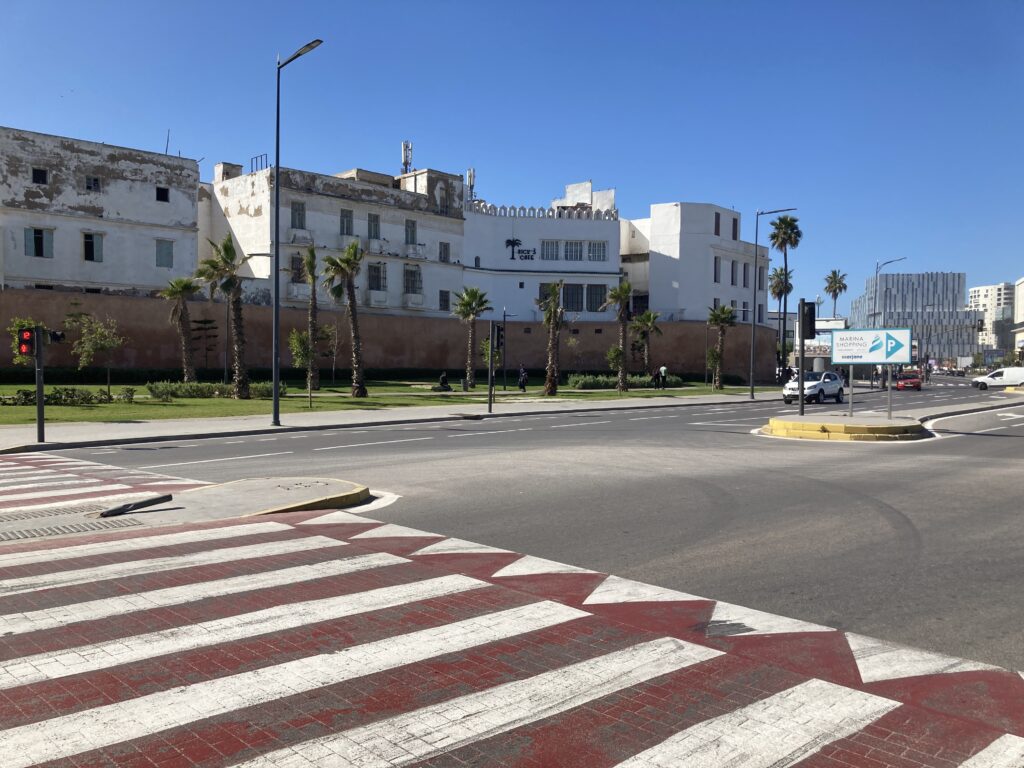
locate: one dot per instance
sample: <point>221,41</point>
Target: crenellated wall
<point>522,212</point>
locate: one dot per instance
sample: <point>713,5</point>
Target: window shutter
<point>29,242</point>
<point>48,243</point>
<point>97,247</point>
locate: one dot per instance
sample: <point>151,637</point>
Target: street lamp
<point>505,314</point>
<point>276,271</point>
<point>874,302</point>
<point>753,303</point>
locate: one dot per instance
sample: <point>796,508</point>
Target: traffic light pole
<point>40,415</point>
<point>490,367</point>
<point>800,357</point>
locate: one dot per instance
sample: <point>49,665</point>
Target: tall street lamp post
<point>276,270</point>
<point>753,303</point>
<point>874,301</point>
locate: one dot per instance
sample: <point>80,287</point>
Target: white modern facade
<point>996,303</point>
<point>687,257</point>
<point>88,216</point>
<point>1018,314</point>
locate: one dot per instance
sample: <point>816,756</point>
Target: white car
<point>1004,377</point>
<point>817,387</point>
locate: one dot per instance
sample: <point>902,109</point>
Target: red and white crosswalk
<point>312,639</point>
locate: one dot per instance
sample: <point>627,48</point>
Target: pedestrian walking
<point>523,378</point>
<point>663,376</point>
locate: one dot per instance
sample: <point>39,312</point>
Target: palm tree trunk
<point>835,301</point>
<point>647,355</point>
<point>470,352</point>
<point>312,367</point>
<point>185,332</point>
<point>719,350</point>
<point>240,386</point>
<point>623,383</point>
<point>358,383</point>
<point>551,372</point>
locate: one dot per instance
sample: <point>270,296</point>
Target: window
<point>718,269</point>
<point>410,232</point>
<point>522,284</point>
<point>574,250</point>
<point>413,279</point>
<point>297,270</point>
<point>735,228</point>
<point>597,250</point>
<point>544,292</point>
<point>444,301</point>
<point>746,310</point>
<point>718,223</point>
<point>572,297</point>
<point>40,176</point>
<point>716,303</point>
<point>549,250</point>
<point>92,184</point>
<point>298,215</point>
<point>760,313</point>
<point>733,303</point>
<point>378,276</point>
<point>732,272</point>
<point>39,243</point>
<point>92,246</point>
<point>163,195</point>
<point>373,226</point>
<point>746,275</point>
<point>641,302</point>
<point>760,278</point>
<point>476,262</point>
<point>165,253</point>
<point>444,253</point>
<point>595,297</point>
<point>346,222</point>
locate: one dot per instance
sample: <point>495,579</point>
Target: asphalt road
<point>914,542</point>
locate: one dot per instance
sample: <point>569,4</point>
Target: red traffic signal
<point>27,342</point>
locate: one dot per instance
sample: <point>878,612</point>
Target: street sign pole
<point>490,368</point>
<point>800,360</point>
<point>40,405</point>
<point>888,384</point>
<point>851,389</point>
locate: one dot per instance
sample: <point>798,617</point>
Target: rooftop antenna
<point>471,180</point>
<point>167,144</point>
<point>406,156</point>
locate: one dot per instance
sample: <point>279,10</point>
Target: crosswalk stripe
<point>108,547</point>
<point>778,731</point>
<point>124,650</point>
<point>73,734</point>
<point>103,608</point>
<point>32,474</point>
<point>156,564</point>
<point>48,483</point>
<point>61,492</point>
<point>1005,752</point>
<point>431,731</point>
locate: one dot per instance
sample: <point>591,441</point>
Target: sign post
<point>40,398</point>
<point>875,346</point>
<point>490,367</point>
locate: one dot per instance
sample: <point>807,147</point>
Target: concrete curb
<point>820,430</point>
<point>335,501</point>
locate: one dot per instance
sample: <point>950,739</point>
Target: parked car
<point>1003,377</point>
<point>908,381</point>
<point>816,387</point>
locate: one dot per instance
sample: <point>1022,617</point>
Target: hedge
<point>165,391</point>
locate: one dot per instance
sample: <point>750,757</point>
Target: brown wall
<point>388,341</point>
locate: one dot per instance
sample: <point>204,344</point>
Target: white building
<point>1018,315</point>
<point>94,217</point>
<point>996,302</point>
<point>687,257</point>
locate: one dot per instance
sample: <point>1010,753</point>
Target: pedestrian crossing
<point>335,640</point>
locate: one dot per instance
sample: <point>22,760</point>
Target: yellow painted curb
<point>1015,390</point>
<point>827,431</point>
<point>348,499</point>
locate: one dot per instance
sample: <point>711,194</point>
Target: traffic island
<point>859,428</point>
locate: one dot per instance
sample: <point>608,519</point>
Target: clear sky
<point>896,128</point>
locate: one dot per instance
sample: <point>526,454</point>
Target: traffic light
<point>499,337</point>
<point>807,330</point>
<point>27,342</point>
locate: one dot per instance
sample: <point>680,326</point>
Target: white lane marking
<point>339,516</point>
<point>993,429</point>
<point>493,432</point>
<point>778,731</point>
<point>449,725</point>
<point>63,492</point>
<point>211,461</point>
<point>190,445</point>
<point>459,547</point>
<point>729,619</point>
<point>528,565</point>
<point>233,442</point>
<point>93,657</point>
<point>581,424</point>
<point>6,489</point>
<point>881,660</point>
<point>101,453</point>
<point>68,735</point>
<point>615,589</point>
<point>379,442</point>
<point>48,474</point>
<point>1005,752</point>
<point>156,564</point>
<point>645,418</point>
<point>52,554</point>
<point>266,439</point>
<point>391,531</point>
<point>91,610</point>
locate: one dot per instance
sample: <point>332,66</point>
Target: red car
<point>909,381</point>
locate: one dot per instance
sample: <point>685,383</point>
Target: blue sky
<point>895,127</point>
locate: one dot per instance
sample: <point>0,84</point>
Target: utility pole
<point>490,366</point>
<point>800,357</point>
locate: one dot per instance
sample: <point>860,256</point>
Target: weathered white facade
<point>687,257</point>
<point>84,215</point>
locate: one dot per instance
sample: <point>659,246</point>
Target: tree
<point>784,237</point>
<point>513,243</point>
<point>302,350</point>
<point>178,292</point>
<point>340,281</point>
<point>469,305</point>
<point>95,337</point>
<point>644,326</point>
<point>220,272</point>
<point>835,286</point>
<point>554,316</point>
<point>780,284</point>
<point>485,352</point>
<point>719,318</point>
<point>312,331</point>
<point>619,297</point>
<point>330,335</point>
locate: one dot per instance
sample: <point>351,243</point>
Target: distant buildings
<point>996,303</point>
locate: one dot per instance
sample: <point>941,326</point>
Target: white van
<point>1004,377</point>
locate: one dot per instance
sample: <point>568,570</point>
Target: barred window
<point>444,253</point>
<point>410,232</point>
<point>444,301</point>
<point>549,250</point>
<point>373,226</point>
<point>378,274</point>
<point>297,270</point>
<point>346,221</point>
<point>597,250</point>
<point>298,215</point>
<point>595,297</point>
<point>574,250</point>
<point>572,297</point>
<point>413,279</point>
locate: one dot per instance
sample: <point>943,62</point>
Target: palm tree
<point>785,236</point>
<point>835,286</point>
<point>644,326</point>
<point>554,316</point>
<point>513,243</point>
<point>221,272</point>
<point>309,272</point>
<point>178,291</point>
<point>780,284</point>
<point>720,318</point>
<point>619,297</point>
<point>469,305</point>
<point>340,281</point>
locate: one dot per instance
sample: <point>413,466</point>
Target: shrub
<point>126,395</point>
<point>592,381</point>
<point>165,391</point>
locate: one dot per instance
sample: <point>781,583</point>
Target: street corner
<point>846,429</point>
<point>265,496</point>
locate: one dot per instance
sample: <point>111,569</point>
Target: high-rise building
<point>996,302</point>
